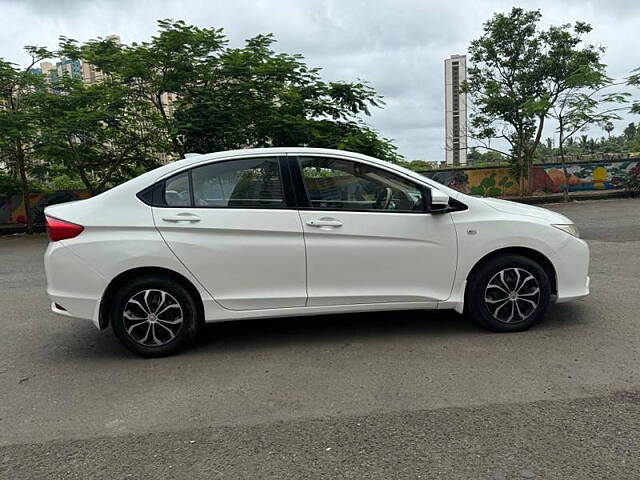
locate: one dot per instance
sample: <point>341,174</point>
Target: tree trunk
<point>565,186</point>
<point>530,174</point>
<point>24,184</point>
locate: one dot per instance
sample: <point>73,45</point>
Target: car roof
<point>195,159</point>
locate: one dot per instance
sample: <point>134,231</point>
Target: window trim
<point>305,205</point>
<point>288,196</point>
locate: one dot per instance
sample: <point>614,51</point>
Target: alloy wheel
<point>512,295</point>
<point>152,318</point>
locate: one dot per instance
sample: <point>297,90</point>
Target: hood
<point>515,208</point>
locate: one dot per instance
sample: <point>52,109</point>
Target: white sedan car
<point>300,231</point>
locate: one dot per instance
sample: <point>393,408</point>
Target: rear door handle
<point>182,217</point>
<point>325,222</point>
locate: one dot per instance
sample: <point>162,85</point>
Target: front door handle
<point>182,217</point>
<point>325,222</point>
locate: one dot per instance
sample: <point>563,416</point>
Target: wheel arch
<point>121,279</point>
<point>530,253</point>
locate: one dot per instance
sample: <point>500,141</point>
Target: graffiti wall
<point>12,211</point>
<point>498,181</point>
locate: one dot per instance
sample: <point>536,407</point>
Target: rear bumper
<point>72,283</point>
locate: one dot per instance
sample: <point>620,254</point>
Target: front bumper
<point>572,270</point>
<point>569,298</point>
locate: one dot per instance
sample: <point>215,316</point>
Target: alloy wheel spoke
<point>175,305</point>
<point>146,335</point>
<point>129,316</point>
<point>533,304</point>
<point>153,334</point>
<point>130,329</point>
<point>530,294</point>
<point>146,300</point>
<point>136,302</point>
<point>503,280</point>
<point>176,321</point>
<point>494,301</point>
<point>163,297</point>
<point>517,287</point>
<point>168,330</point>
<point>530,277</point>
<point>520,314</point>
<point>495,313</point>
<point>493,285</point>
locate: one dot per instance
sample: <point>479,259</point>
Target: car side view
<point>300,231</point>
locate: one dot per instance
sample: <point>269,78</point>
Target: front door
<point>368,237</point>
<point>229,224</point>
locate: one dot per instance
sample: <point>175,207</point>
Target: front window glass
<point>337,184</point>
<point>248,183</point>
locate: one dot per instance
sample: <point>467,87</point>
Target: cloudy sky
<point>398,46</point>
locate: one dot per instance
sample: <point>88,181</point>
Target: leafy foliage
<point>632,181</point>
<point>518,73</point>
<point>100,132</point>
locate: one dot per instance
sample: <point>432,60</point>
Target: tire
<point>154,316</point>
<point>491,301</point>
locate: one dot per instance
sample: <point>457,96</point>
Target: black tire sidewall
<point>189,312</point>
<point>477,307</point>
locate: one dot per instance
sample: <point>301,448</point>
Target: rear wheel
<point>154,316</point>
<point>508,293</point>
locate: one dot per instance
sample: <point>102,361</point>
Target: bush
<point>632,182</point>
<point>11,185</point>
<point>65,182</point>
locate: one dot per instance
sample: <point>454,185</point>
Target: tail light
<point>61,230</point>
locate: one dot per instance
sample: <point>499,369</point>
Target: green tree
<point>18,135</point>
<point>99,133</point>
<point>518,72</point>
<point>159,72</point>
<point>630,132</point>
<point>257,98</point>
<point>224,98</point>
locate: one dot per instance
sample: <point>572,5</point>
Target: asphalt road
<point>401,395</point>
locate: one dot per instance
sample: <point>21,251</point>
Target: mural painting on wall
<point>484,182</point>
<point>593,176</point>
<point>12,208</point>
<point>498,181</point>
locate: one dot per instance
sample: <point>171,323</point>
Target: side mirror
<point>439,201</point>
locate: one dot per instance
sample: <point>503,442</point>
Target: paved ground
<point>402,395</point>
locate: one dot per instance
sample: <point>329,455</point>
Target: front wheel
<point>508,293</point>
<point>154,316</point>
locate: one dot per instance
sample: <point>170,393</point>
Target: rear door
<point>368,236</point>
<point>231,223</point>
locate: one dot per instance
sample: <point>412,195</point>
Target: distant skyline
<point>398,46</point>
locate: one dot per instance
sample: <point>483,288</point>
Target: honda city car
<point>300,231</point>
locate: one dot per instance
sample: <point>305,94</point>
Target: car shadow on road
<point>330,330</point>
<point>338,328</point>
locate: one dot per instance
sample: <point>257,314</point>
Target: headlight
<point>570,228</point>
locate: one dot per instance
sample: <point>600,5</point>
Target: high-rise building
<point>65,67</point>
<point>455,73</point>
<point>90,74</point>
